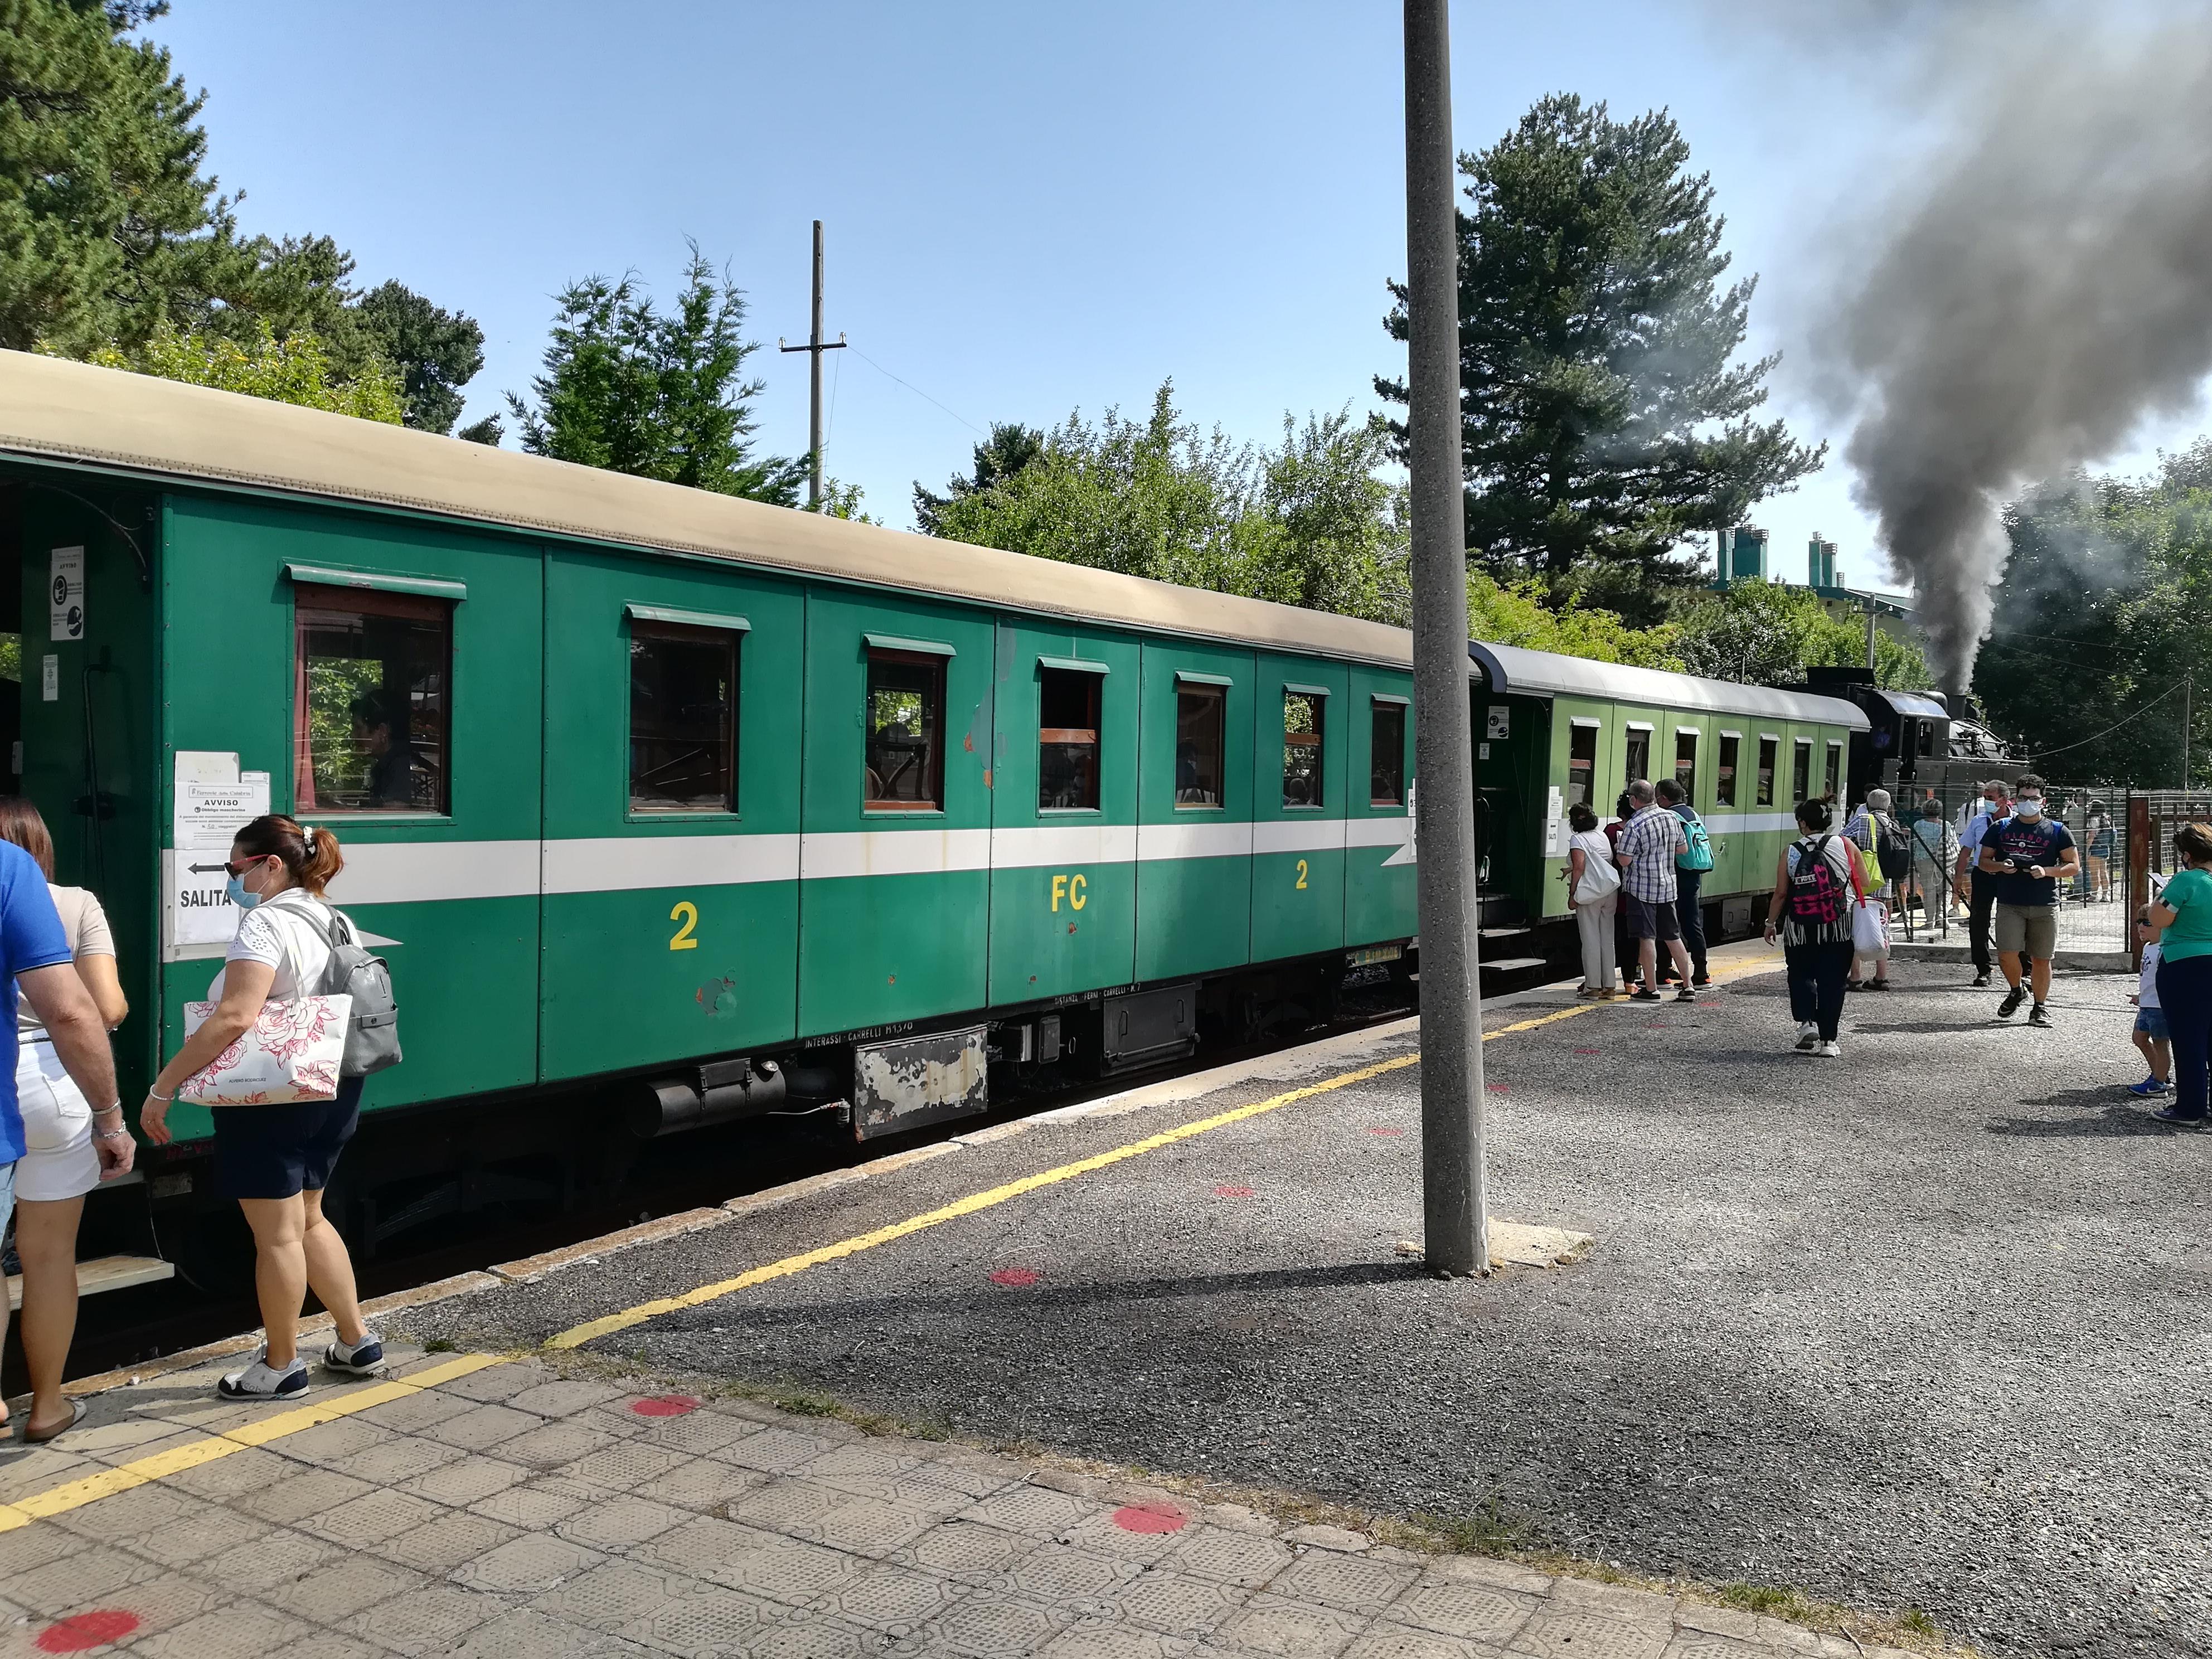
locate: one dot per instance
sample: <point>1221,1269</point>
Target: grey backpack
<point>372,1040</point>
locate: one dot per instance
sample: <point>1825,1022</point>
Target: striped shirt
<point>1648,846</point>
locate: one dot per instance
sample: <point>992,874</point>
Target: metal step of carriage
<point>105,1272</point>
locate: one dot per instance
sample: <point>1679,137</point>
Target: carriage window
<point>1302,749</point>
<point>1639,754</point>
<point>370,714</point>
<point>1835,786</point>
<point>1067,739</point>
<point>1766,746</point>
<point>1581,764</point>
<point>1198,731</point>
<point>905,767</point>
<point>1724,775</point>
<point>1386,771</point>
<point>1686,765</point>
<point>683,719</point>
<point>1927,738</point>
<point>1800,769</point>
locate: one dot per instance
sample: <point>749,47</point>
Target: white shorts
<point>58,1160</point>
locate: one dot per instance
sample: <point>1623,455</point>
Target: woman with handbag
<point>1593,895</point>
<point>276,1160</point>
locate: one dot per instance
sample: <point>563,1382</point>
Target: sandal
<point>40,1438</point>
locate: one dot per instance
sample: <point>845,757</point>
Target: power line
<point>2043,754</point>
<point>918,392</point>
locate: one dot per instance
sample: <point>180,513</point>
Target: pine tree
<point>1603,420</point>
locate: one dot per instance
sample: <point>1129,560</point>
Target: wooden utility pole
<point>1456,1227</point>
<point>815,346</point>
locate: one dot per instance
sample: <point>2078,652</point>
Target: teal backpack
<point>1699,854</point>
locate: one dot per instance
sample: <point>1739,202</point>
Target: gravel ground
<point>1925,1327</point>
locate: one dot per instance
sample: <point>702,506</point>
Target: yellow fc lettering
<point>1059,890</point>
<point>1075,885</point>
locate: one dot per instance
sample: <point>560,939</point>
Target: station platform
<point>1906,1342</point>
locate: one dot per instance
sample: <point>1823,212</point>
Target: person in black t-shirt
<point>2027,855</point>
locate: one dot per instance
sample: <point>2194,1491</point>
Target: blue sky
<point>1029,208</point>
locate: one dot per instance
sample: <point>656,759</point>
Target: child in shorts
<point>2150,1033</point>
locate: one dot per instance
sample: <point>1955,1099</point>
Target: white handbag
<point>291,1053</point>
<point>1870,928</point>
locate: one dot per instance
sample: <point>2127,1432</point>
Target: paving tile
<point>123,1439</point>
<point>212,1530</point>
<point>1387,1641</point>
<point>785,1505</point>
<point>1076,1580</point>
<point>469,1481</point>
<point>302,1492</point>
<point>162,1602</point>
<point>1098,1531</point>
<point>28,1547</point>
<point>1113,1642</point>
<point>1291,1630</point>
<point>241,1630</point>
<point>531,1562</point>
<point>864,1526</point>
<point>1250,1559</point>
<point>479,1428</point>
<point>87,1575</point>
<point>1353,1582</point>
<point>416,1413</point>
<point>402,1457</point>
<point>772,1450</point>
<point>861,1457</point>
<point>426,1620</point>
<point>710,1623</point>
<point>966,1550</point>
<point>614,1594</point>
<point>620,1523</point>
<point>528,1633</point>
<point>23,1472</point>
<point>327,1442</point>
<point>697,1432</point>
<point>990,1626</point>
<point>704,1483</point>
<point>1029,1508</point>
<point>893,1599</point>
<point>276,1557</point>
<point>322,1644</point>
<point>374,1518</point>
<point>1703,1645</point>
<point>535,1506</point>
<point>494,1382</point>
<point>564,1398</point>
<point>440,1546</point>
<point>786,1569</point>
<point>1176,1604</point>
<point>1452,1608</point>
<point>230,1477</point>
<point>621,1466</point>
<point>814,1639</point>
<point>338,1591</point>
<point>1559,1631</point>
<point>129,1515</point>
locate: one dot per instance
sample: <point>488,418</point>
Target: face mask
<point>236,888</point>
<point>1989,809</point>
<point>2029,807</point>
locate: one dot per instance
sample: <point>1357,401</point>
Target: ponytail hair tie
<point>307,838</point>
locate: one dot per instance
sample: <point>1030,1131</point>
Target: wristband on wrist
<point>155,1094</point>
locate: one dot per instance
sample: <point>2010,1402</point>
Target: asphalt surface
<point>1924,1326</point>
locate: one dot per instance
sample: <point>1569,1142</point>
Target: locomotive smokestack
<point>2041,287</point>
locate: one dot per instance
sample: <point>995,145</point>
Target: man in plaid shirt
<point>1648,846</point>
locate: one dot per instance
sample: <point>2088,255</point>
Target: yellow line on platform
<point>91,1488</point>
<point>576,1335</point>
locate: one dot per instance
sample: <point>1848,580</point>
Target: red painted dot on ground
<point>1232,1192</point>
<point>665,1405</point>
<point>1589,1051</point>
<point>81,1632</point>
<point>1016,1278</point>
<point>1152,1518</point>
<point>1495,1088</point>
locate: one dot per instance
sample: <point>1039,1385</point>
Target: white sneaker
<point>1808,1037</point>
<point>261,1381</point>
<point>1829,1051</point>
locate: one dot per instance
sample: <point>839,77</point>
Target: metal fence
<point>2120,832</point>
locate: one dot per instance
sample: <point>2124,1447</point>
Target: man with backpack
<point>1648,848</point>
<point>1690,864</point>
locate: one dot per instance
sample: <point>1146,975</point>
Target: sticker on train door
<point>65,596</point>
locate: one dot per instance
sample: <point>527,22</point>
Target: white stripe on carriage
<point>416,872</point>
<point>1314,835</point>
<point>893,852</point>
<point>1159,841</point>
<point>615,864</point>
<point>1022,848</point>
<point>1751,824</point>
<point>1378,832</point>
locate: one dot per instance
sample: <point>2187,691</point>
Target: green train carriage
<point>663,805</point>
<point>1554,731</point>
